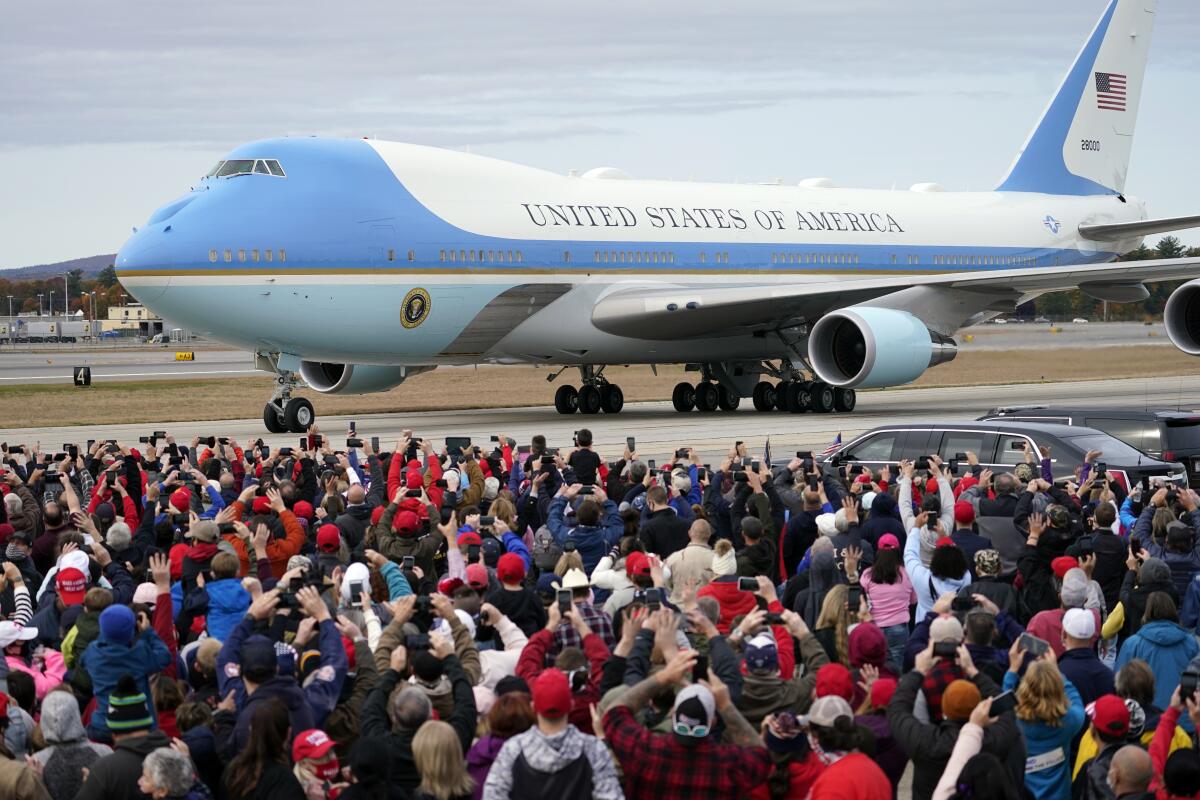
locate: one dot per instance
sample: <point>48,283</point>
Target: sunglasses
<point>683,729</point>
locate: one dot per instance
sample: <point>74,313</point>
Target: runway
<point>55,366</point>
<point>659,430</point>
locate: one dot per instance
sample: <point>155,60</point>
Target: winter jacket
<point>927,587</point>
<point>692,563</point>
<point>106,661</point>
<point>994,518</point>
<point>1090,675</point>
<point>883,518</point>
<point>479,761</point>
<point>760,558</point>
<point>592,542</point>
<point>764,694</point>
<point>277,782</point>
<point>1048,766</point>
<point>223,603</point>
<point>970,543</point>
<point>19,782</point>
<point>44,679</point>
<point>930,746</point>
<point>732,600</point>
<point>68,750</point>
<point>522,606</point>
<point>353,523</point>
<point>1167,648</point>
<point>533,766</point>
<point>115,776</point>
<point>611,577</point>
<point>532,663</point>
<point>664,532</point>
<point>279,550</point>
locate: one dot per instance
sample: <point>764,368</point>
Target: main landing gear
<point>595,395</point>
<point>799,396</point>
<point>722,385</point>
<point>284,413</point>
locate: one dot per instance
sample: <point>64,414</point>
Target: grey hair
<point>409,708</point>
<point>823,543</point>
<point>12,502</point>
<point>119,536</point>
<point>170,770</point>
<point>1006,484</point>
<point>709,607</point>
<point>637,471</point>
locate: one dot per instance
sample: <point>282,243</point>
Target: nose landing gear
<point>284,413</point>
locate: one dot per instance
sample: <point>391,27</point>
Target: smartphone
<point>356,590</point>
<point>264,452</point>
<point>945,649</point>
<point>408,562</point>
<point>923,462</point>
<point>569,546</point>
<point>1033,645</point>
<point>285,451</point>
<point>223,440</point>
<point>413,493</point>
<point>494,439</point>
<point>854,599</point>
<point>486,521</point>
<point>1003,703</point>
<point>523,450</point>
<point>456,444</point>
<point>588,490</point>
<point>303,442</point>
<point>755,465</point>
<point>227,527</point>
<point>654,598</point>
<point>564,600</point>
<point>416,641</point>
<point>813,482</point>
<point>352,442</point>
<point>629,442</point>
<point>700,669</point>
<point>962,604</point>
<point>375,443</point>
<point>747,584</point>
<point>353,428</point>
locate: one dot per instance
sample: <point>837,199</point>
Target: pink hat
<point>889,542</point>
<point>146,593</point>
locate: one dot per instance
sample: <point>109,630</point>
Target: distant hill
<point>91,266</point>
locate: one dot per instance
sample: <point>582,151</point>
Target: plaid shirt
<point>657,767</point>
<point>567,636</point>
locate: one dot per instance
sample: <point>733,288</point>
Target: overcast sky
<point>111,110</point>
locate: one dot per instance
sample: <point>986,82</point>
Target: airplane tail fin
<point>1081,144</point>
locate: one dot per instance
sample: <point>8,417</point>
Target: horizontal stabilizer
<point>1124,230</point>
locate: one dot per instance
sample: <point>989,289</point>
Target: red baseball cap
<point>862,477</point>
<point>1110,715</point>
<point>406,522</point>
<point>636,563</point>
<point>510,568</point>
<point>448,586</point>
<point>72,585</point>
<point>477,576</point>
<point>964,512</point>
<point>551,694</point>
<point>261,505</point>
<point>329,538</point>
<point>469,537</point>
<point>414,480</point>
<point>181,499</point>
<point>1063,564</point>
<point>316,745</point>
<point>304,509</point>
<point>945,541</point>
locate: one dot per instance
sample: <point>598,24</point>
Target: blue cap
<point>546,581</point>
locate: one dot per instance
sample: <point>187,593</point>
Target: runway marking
<point>177,373</point>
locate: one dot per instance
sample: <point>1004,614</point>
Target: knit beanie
<point>127,708</point>
<point>117,624</point>
<point>959,700</point>
<point>724,562</point>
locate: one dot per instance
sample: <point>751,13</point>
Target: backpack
<point>545,551</point>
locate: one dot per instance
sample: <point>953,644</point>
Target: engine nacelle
<point>1182,318</point>
<point>864,347</point>
<point>329,378</point>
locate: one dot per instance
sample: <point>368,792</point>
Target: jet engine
<point>329,378</point>
<point>864,347</point>
<point>1182,318</point>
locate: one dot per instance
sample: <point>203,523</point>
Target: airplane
<point>355,264</point>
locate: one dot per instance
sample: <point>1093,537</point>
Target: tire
<point>566,399</point>
<point>844,399</point>
<point>707,396</point>
<point>683,397</point>
<point>822,398</point>
<point>299,415</point>
<point>589,400</point>
<point>612,399</point>
<point>272,420</point>
<point>727,400</point>
<point>763,396</point>
<point>799,397</point>
<point>781,395</point>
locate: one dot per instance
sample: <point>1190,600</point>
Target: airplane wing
<point>693,311</point>
<point>1144,227</point>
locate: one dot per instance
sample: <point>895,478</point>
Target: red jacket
<point>532,663</point>
<point>854,777</point>
<point>734,602</point>
<point>801,777</point>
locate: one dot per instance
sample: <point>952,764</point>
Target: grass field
<point>493,387</point>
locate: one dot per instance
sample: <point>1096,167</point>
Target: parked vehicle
<point>1000,446</point>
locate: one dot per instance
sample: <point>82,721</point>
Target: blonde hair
<point>834,614</point>
<point>437,754</point>
<point>566,561</point>
<point>503,508</point>
<point>1041,695</point>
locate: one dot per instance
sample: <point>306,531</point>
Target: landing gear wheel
<point>763,396</point>
<point>798,397</point>
<point>272,420</point>
<point>707,396</point>
<point>727,400</point>
<point>612,399</point>
<point>822,398</point>
<point>299,415</point>
<point>589,400</point>
<point>683,397</point>
<point>844,399</point>
<point>781,395</point>
<point>566,399</point>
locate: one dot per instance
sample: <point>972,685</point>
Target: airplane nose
<point>139,266</point>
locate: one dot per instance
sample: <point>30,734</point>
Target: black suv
<point>1000,447</point>
<point>1165,435</point>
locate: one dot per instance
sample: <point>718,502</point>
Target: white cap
<point>1079,623</point>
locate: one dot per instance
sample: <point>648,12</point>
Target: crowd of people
<point>211,620</point>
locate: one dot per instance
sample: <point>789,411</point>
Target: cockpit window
<point>246,166</point>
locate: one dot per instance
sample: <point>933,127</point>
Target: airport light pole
<point>40,296</point>
<point>50,303</point>
<point>10,299</point>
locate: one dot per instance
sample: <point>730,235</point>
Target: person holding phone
<point>598,525</point>
<point>513,599</point>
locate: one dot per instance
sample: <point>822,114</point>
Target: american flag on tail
<point>833,446</point>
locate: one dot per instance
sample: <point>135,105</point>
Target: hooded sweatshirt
<point>479,761</point>
<point>823,576</point>
<point>115,777</point>
<point>532,765</point>
<point>883,518</point>
<point>1167,648</point>
<point>68,750</point>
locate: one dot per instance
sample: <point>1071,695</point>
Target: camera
<point>354,443</point>
<point>747,584</point>
<point>486,521</point>
<point>227,527</point>
<point>681,453</point>
<point>945,649</point>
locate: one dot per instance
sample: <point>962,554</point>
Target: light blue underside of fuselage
<point>341,209</point>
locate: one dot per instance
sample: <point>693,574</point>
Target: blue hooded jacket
<point>106,661</point>
<point>1167,648</point>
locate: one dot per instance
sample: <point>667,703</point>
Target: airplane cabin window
<point>212,256</point>
<point>254,255</point>
<point>462,255</point>
<point>270,255</point>
<point>519,258</point>
<point>452,255</point>
<point>441,255</point>
<point>241,255</point>
<point>391,254</point>
<point>282,255</point>
<point>260,168</point>
<point>411,255</point>
<point>228,256</point>
<point>566,256</point>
